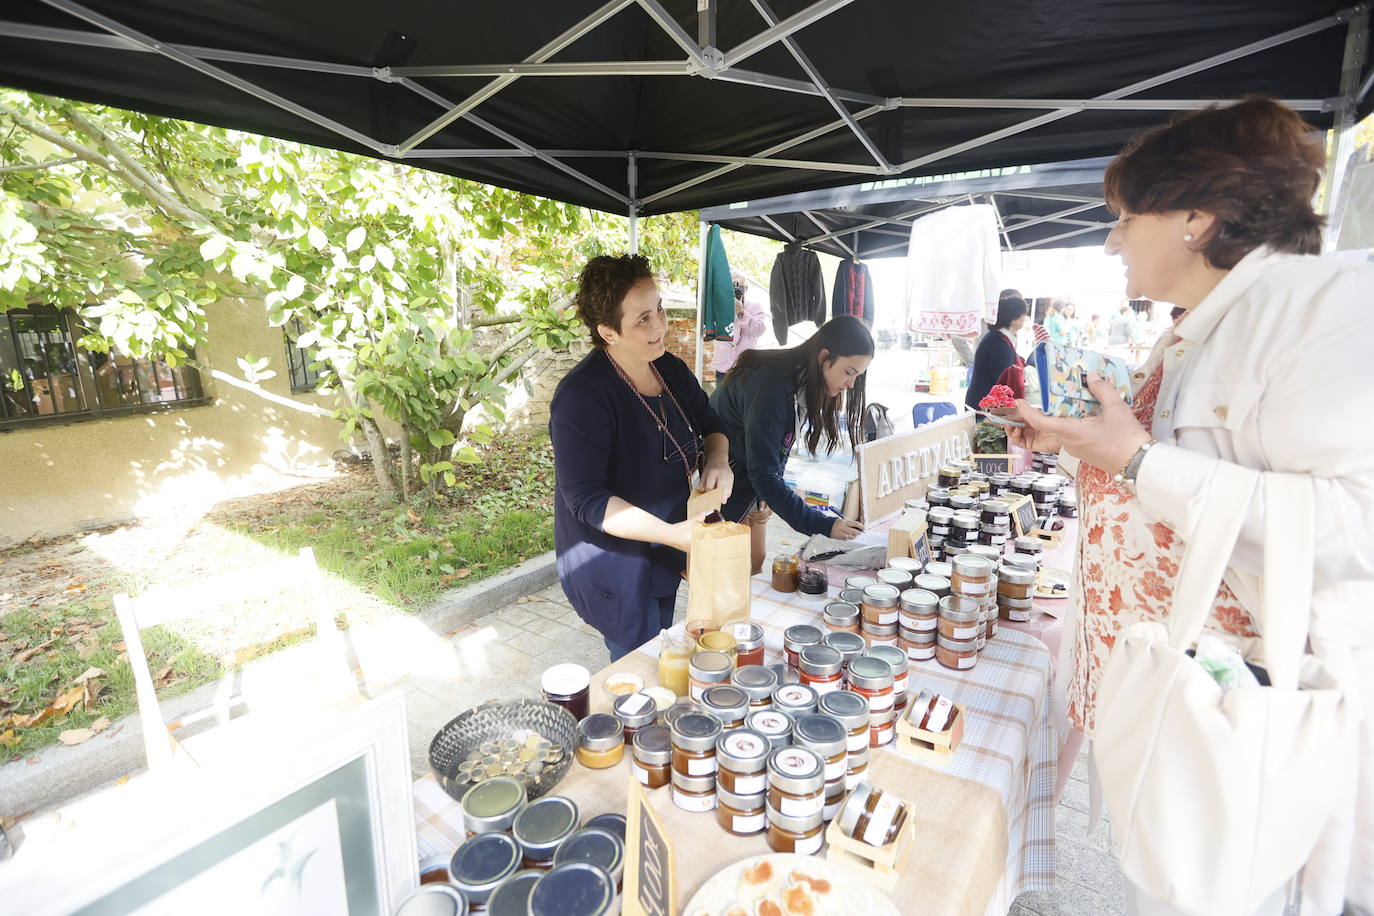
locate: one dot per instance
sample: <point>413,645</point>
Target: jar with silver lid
<point>847,644</point>
<point>897,578</point>
<point>971,575</point>
<point>859,582</point>
<point>1030,545</point>
<point>796,638</point>
<point>851,711</point>
<point>991,554</point>
<point>611,822</point>
<point>596,847</point>
<point>919,645</point>
<point>959,501</point>
<point>937,584</point>
<point>784,673</point>
<point>727,703</point>
<point>773,724</point>
<point>434,900</point>
<point>937,497</point>
<point>919,609</point>
<point>907,564</point>
<point>512,898</point>
<point>694,744</point>
<point>1068,505</point>
<point>542,827</point>
<point>937,547</point>
<point>840,615</point>
<point>635,710</point>
<point>821,667</point>
<point>827,737</point>
<point>652,754</point>
<point>741,815</point>
<point>799,771</point>
<point>939,568</point>
<point>1023,560</point>
<point>901,669</point>
<point>694,793</point>
<point>743,757</point>
<point>584,882</point>
<point>705,669</point>
<point>492,804</point>
<point>481,863</point>
<point>757,682</point>
<point>880,603</point>
<point>851,596</point>
<point>681,708</point>
<point>794,699</point>
<point>872,679</point>
<point>880,634</point>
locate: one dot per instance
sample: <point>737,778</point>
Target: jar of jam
<point>694,793</point>
<point>512,898</point>
<point>880,635</point>
<point>813,583</point>
<point>873,816</point>
<point>991,629</point>
<point>825,736</point>
<point>681,708</point>
<point>491,806</point>
<point>694,745</point>
<point>937,549</point>
<point>854,596</point>
<point>906,564</point>
<point>851,711</point>
<point>727,703</point>
<point>568,686</point>
<point>940,518</point>
<point>652,755</point>
<point>841,617</point>
<point>786,674</point>
<point>899,579</point>
<point>937,496</point>
<point>773,724</point>
<point>758,683</point>
<point>947,476</point>
<point>581,881</point>
<point>959,618</point>
<point>721,641</point>
<point>956,653</point>
<point>849,645</point>
<point>991,554</point>
<point>919,609</point>
<point>600,741</point>
<point>1021,485</point>
<point>1068,505</point>
<point>542,827</point>
<point>612,822</point>
<point>1017,610</point>
<point>794,699</point>
<point>1033,546</point>
<point>901,667</point>
<point>786,567</point>
<point>938,585</point>
<point>880,604</point>
<point>796,638</point>
<point>743,762</point>
<point>859,582</point>
<point>596,847</point>
<point>1014,582</point>
<point>919,645</point>
<point>635,710</point>
<point>960,502</point>
<point>821,668</point>
<point>796,783</point>
<point>741,815</point>
<point>858,771</point>
<point>705,670</point>
<point>834,799</point>
<point>798,835</point>
<point>480,864</point>
<point>882,732</point>
<point>434,870</point>
<point>995,512</point>
<point>748,641</point>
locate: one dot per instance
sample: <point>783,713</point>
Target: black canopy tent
<point>649,106</point>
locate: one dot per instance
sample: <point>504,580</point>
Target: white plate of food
<point>1052,583</point>
<point>782,884</point>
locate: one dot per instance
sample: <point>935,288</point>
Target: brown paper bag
<point>718,572</point>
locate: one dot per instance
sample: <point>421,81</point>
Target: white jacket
<point>1274,370</point>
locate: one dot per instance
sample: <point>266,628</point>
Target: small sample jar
<point>899,579</point>
<point>694,793</point>
<point>492,805</point>
<point>786,567</point>
<point>880,635</point>
<point>1015,583</point>
<point>848,645</point>
<point>758,683</point>
<point>741,815</point>
<point>796,638</point>
<point>434,869</point>
<point>592,888</point>
<point>796,782</point>
<point>821,668</point>
<point>706,670</point>
<point>742,756</point>
<point>919,609</point>
<point>919,645</point>
<point>695,629</point>
<point>882,733</point>
<point>826,737</point>
<point>600,741</point>
<point>567,686</point>
<point>542,827</point>
<point>748,642</point>
<point>635,710</point>
<point>873,816</point>
<point>794,699</point>
<point>939,585</point>
<point>593,846</point>
<point>721,641</point>
<point>841,617</point>
<point>859,582</point>
<point>480,864</point>
<point>971,575</point>
<point>959,619</point>
<point>694,745</point>
<point>652,756</point>
<point>956,653</point>
<point>851,711</point>
<point>727,703</point>
<point>871,678</point>
<point>798,835</point>
<point>773,724</point>
<point>896,660</point>
<point>813,582</point>
<point>880,603</point>
<point>854,596</point>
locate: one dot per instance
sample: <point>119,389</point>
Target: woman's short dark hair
<point>1009,309</point>
<point>601,289</point>
<point>1255,165</point>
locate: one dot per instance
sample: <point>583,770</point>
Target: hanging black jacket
<point>796,290</point>
<point>853,292</point>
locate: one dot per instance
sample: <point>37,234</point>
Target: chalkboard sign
<point>650,888</point>
<point>920,549</point>
<point>992,464</point>
<point>1023,515</point>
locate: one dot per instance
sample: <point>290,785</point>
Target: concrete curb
<point>60,773</point>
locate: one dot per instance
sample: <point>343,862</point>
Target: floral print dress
<point>1127,566</point>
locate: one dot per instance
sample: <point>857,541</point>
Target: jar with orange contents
<point>796,638</point>
<point>872,679</point>
<point>742,757</point>
<point>706,670</point>
<point>821,668</point>
<point>748,642</point>
<point>741,815</point>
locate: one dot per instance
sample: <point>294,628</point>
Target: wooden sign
<point>1022,515</point>
<point>900,467</point>
<point>902,535</point>
<point>650,888</point>
<point>993,464</point>
<point>921,549</point>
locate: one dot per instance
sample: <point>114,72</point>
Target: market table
<point>984,822</point>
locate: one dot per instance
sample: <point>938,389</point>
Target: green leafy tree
<point>422,296</point>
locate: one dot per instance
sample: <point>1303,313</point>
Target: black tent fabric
<point>335,74</point>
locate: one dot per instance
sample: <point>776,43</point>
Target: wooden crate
<point>938,747</point>
<point>882,865</point>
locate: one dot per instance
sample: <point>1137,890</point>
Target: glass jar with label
<point>492,805</point>
<point>1033,546</point>
<point>542,826</point>
<point>757,682</point>
<point>512,898</point>
<point>882,731</point>
<point>742,758</point>
<point>939,568</point>
<point>940,518</point>
<point>907,564</point>
<point>971,575</point>
<point>851,711</point>
<point>796,783</point>
<point>798,835</point>
<point>694,744</point>
<point>1014,582</point>
<point>834,799</point>
<point>848,645</point>
<point>858,772</point>
<point>959,617</point>
<point>694,793</point>
<point>841,617</point>
<point>947,476</point>
<point>773,724</point>
<point>937,496</point>
<point>674,654</point>
<point>741,815</point>
<point>961,502</point>
<point>748,642</point>
<point>707,669</point>
<point>854,596</point>
<point>991,554</point>
<point>880,635</point>
<point>938,585</point>
<point>1017,610</point>
<point>995,512</point>
<point>635,710</point>
<point>652,756</point>
<point>594,846</point>
<point>1068,505</point>
<point>600,741</point>
<point>480,864</point>
<point>919,609</point>
<point>796,638</point>
<point>821,668</point>
<point>827,738</point>
<point>681,708</point>
<point>722,641</point>
<point>919,645</point>
<point>900,579</point>
<point>794,699</point>
<point>959,654</point>
<point>785,673</point>
<point>727,703</point>
<point>786,567</point>
<point>873,816</point>
<point>901,668</point>
<point>880,604</point>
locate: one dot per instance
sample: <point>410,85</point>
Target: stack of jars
<point>821,667</point>
<point>706,670</point>
<point>939,520</point>
<point>996,524</point>
<point>917,622</point>
<point>1045,495</point>
<point>694,763</point>
<point>851,711</point>
<point>901,670</point>
<point>827,738</point>
<point>796,800</point>
<point>963,614</point>
<point>841,616</point>
<point>964,531</point>
<point>742,781</point>
<point>879,625</point>
<point>938,497</point>
<point>1045,462</point>
<point>727,703</point>
<point>1068,503</point>
<point>873,679</point>
<point>1014,587</point>
<point>1026,553</point>
<point>999,485</point>
<point>796,638</point>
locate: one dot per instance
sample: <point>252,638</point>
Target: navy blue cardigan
<point>994,355</point>
<point>604,445</point>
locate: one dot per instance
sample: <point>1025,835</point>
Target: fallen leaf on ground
<point>58,707</point>
<point>30,653</point>
<point>86,650</point>
<point>8,738</point>
<point>120,646</point>
<point>414,517</point>
<point>163,674</point>
<point>99,725</point>
<point>74,589</point>
<point>462,573</point>
<point>74,736</point>
<point>88,674</point>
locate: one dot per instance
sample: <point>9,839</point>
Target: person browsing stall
<point>767,397</point>
<point>631,431</point>
<point>996,352</point>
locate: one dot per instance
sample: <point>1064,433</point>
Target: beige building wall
<point>248,439</point>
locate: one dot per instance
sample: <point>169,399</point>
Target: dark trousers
<point>658,616</point>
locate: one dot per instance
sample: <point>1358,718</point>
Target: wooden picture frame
<point>650,875</point>
<point>992,464</point>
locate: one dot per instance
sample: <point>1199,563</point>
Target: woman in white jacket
<point>1269,370</point>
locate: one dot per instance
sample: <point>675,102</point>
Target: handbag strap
<point>1289,558</point>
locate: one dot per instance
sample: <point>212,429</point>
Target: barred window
<point>45,376</point>
<point>305,373</point>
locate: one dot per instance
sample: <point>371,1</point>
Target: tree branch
<point>510,371</point>
<point>38,166</point>
<point>493,321</point>
<point>505,348</point>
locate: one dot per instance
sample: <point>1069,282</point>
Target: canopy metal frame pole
<point>1343,125</point>
<point>632,182</point>
<point>1055,238</point>
<point>839,239</point>
<point>777,32</point>
<point>1050,218</point>
<point>701,296</point>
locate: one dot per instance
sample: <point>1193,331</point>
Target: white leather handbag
<point>1217,799</point>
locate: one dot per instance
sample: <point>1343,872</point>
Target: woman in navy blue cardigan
<point>631,427</point>
<point>997,350</point>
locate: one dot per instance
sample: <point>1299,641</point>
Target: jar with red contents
<point>880,604</point>
<point>748,642</point>
<point>796,638</point>
<point>821,668</point>
<point>901,667</point>
<point>841,617</point>
<point>872,679</point>
<point>849,645</point>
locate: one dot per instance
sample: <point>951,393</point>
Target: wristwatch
<point>1127,475</point>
